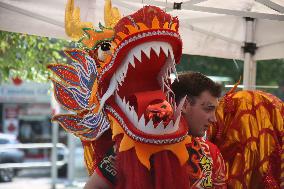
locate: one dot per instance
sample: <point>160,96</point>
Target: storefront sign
<point>25,93</point>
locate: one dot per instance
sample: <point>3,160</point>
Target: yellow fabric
<point>89,158</point>
<point>155,23</point>
<point>166,25</point>
<point>253,129</point>
<point>93,98</point>
<point>73,24</point>
<point>142,26</point>
<point>111,14</point>
<point>131,29</point>
<point>74,27</point>
<point>92,37</point>
<point>173,26</point>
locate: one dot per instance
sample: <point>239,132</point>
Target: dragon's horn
<point>235,86</point>
<point>111,14</point>
<point>73,24</point>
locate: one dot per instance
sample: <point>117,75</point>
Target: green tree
<point>212,66</point>
<point>26,56</point>
<point>269,72</point>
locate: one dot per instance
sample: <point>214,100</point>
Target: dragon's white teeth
<point>161,126</point>
<point>149,128</point>
<point>127,105</point>
<point>120,83</point>
<point>150,125</point>
<point>147,52</point>
<point>134,116</point>
<point>131,60</point>
<point>165,49</point>
<point>170,127</point>
<point>128,114</point>
<point>137,54</point>
<point>174,67</point>
<point>179,108</point>
<point>142,121</point>
<point>156,49</point>
<point>125,68</point>
<point>170,124</point>
<point>119,77</point>
<point>132,63</point>
<point>111,89</point>
<point>171,53</point>
<point>177,123</point>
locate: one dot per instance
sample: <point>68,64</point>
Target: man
<point>206,166</point>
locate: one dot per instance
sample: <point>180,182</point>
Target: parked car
<point>9,156</point>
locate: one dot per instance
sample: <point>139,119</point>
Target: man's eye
<point>209,109</point>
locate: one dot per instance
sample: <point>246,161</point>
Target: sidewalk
<point>40,179</point>
<point>40,183</point>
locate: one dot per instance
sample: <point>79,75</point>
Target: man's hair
<point>193,84</point>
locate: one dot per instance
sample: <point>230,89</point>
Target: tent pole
<point>71,159</point>
<point>55,132</point>
<point>249,73</point>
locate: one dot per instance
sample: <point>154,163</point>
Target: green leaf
<point>27,56</point>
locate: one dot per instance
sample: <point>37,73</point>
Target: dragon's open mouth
<point>149,65</point>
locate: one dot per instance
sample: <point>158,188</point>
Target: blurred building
<point>26,111</point>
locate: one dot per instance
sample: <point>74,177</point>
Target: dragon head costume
<point>119,87</point>
<point>249,134</point>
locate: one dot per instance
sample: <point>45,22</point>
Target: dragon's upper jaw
<point>147,67</point>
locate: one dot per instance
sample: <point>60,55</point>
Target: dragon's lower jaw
<point>147,125</point>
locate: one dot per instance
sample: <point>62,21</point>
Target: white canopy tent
<point>248,30</point>
<point>215,28</point>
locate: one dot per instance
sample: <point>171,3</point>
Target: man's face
<point>200,113</point>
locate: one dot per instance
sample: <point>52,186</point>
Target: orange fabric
<point>144,151</point>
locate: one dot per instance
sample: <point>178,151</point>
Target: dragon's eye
<point>105,46</point>
<point>104,50</point>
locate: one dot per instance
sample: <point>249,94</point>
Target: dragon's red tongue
<point>153,105</point>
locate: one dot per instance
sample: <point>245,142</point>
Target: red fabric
<point>141,100</point>
<point>219,168</point>
<point>166,172</point>
<point>97,170</point>
<point>100,147</point>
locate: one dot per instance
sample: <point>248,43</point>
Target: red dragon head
<point>121,80</point>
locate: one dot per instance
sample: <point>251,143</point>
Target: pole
<point>54,155</point>
<point>249,73</point>
<point>55,110</point>
<point>71,159</point>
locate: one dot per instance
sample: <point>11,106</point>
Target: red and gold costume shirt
<point>206,165</point>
